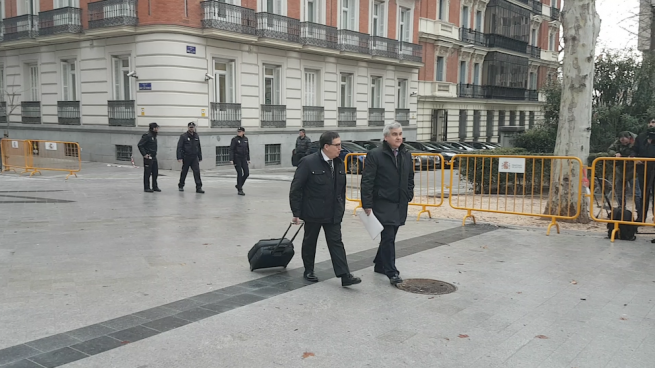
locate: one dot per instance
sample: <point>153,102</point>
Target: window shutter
<point>276,82</point>
<point>407,26</point>
<point>117,78</point>
<point>229,80</point>
<point>65,78</point>
<point>351,14</point>
<point>349,91</point>
<point>381,21</point>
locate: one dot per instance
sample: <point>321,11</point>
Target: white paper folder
<point>371,223</point>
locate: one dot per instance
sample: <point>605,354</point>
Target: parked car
<point>427,162</point>
<point>346,148</point>
<point>460,145</point>
<point>481,145</point>
<point>429,147</point>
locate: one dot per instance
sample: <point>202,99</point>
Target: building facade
<point>485,61</point>
<point>99,72</point>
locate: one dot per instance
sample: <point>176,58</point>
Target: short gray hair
<point>387,128</point>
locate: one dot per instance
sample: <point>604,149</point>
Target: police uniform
<point>148,148</point>
<point>189,151</point>
<point>240,156</point>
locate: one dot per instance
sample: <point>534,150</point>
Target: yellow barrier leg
<point>71,173</point>
<point>554,222</point>
<point>357,207</point>
<point>468,215</point>
<point>34,172</point>
<point>616,230</point>
<point>422,211</point>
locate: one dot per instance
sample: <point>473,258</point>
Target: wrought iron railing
<point>112,13</point>
<point>278,27</point>
<point>375,116</point>
<point>411,52</point>
<point>68,112</point>
<point>554,13</point>
<point>122,113</point>
<point>30,112</point>
<point>536,6</point>
<point>320,35</point>
<point>384,47</point>
<point>347,117</point>
<point>505,93</point>
<point>225,115</point>
<point>534,51</point>
<point>471,91</point>
<point>313,116</point>
<point>473,37</point>
<point>532,95</point>
<point>21,27</point>
<point>402,116</point>
<point>228,17</point>
<point>496,40</point>
<point>273,116</point>
<point>3,112</point>
<point>62,20</point>
<point>352,41</point>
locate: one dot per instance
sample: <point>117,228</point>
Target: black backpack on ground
<point>626,232</point>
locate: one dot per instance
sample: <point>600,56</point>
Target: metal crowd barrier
<point>34,156</point>
<point>516,185</point>
<point>428,180</point>
<point>619,184</point>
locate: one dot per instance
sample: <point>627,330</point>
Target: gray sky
<point>619,23</point>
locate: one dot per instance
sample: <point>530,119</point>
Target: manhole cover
<point>427,286</point>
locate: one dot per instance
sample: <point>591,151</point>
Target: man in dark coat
<point>318,197</point>
<point>240,158</point>
<point>386,189</point>
<point>646,172</point>
<point>189,154</point>
<point>302,147</point>
<point>148,148</point>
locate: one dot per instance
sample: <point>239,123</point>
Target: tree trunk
<point>581,25</point>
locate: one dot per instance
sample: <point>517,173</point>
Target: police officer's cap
<point>191,124</point>
<point>241,129</point>
<point>153,125</point>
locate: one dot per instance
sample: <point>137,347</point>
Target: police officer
<point>302,147</point>
<point>624,173</point>
<point>646,171</point>
<point>189,154</point>
<point>240,158</point>
<point>148,148</point>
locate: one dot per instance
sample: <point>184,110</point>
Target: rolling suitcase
<point>269,253</point>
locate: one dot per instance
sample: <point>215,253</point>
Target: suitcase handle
<point>285,234</point>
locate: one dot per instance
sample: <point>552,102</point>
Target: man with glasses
<point>318,197</point>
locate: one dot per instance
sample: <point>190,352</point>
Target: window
<point>273,6</point>
<point>478,21</point>
<point>533,37</point>
<point>222,155</point>
<point>477,119</point>
<point>70,150</point>
<point>462,72</point>
<point>2,79</point>
<point>28,7</point>
<point>69,80</point>
<point>376,92</point>
<point>123,153</point>
<point>346,90</point>
<point>122,85</point>
<point>522,118</point>
<point>443,11</point>
<point>348,14</point>
<point>272,85</point>
<point>466,15</point>
<point>551,42</point>
<point>440,69</point>
<point>401,97</point>
<point>66,3</point>
<point>377,25</point>
<point>224,81</point>
<point>33,82</point>
<point>312,9</point>
<point>476,74</point>
<point>272,154</point>
<point>463,117</point>
<point>512,118</point>
<point>311,88</point>
<point>501,118</point>
<point>404,26</point>
<point>531,120</point>
<point>532,81</point>
<point>490,124</point>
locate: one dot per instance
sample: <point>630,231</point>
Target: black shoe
<point>241,193</point>
<point>310,277</point>
<point>395,280</point>
<point>350,280</point>
<point>148,190</point>
<point>156,189</point>
<point>181,189</point>
<point>200,191</point>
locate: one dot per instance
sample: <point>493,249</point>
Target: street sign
<point>145,86</point>
<point>191,50</point>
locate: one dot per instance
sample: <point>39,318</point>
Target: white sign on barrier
<point>14,144</point>
<point>51,146</point>
<point>511,165</point>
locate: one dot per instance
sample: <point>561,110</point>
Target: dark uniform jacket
<point>316,195</point>
<point>626,150</point>
<point>189,146</point>
<point>148,144</point>
<point>239,148</point>
<point>388,184</point>
<point>647,150</point>
<point>302,144</point>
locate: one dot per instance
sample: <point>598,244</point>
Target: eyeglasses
<point>336,145</point>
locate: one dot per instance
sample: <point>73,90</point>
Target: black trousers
<point>150,169</point>
<point>334,243</point>
<point>385,259</point>
<point>241,165</point>
<point>646,183</point>
<point>193,163</point>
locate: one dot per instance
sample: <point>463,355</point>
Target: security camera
<point>413,94</point>
<point>132,74</point>
<point>208,77</point>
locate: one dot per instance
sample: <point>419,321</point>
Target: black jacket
<point>645,150</point>
<point>302,145</point>
<point>387,188</point>
<point>148,144</point>
<point>189,146</point>
<point>239,148</point>
<point>315,196</point>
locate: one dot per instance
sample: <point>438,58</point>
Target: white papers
<point>371,224</point>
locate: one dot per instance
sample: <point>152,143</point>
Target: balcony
<point>319,35</point>
<point>313,116</point>
<point>68,113</point>
<point>122,113</point>
<point>351,41</point>
<point>495,40</point>
<point>60,21</point>
<point>402,116</point>
<point>437,89</point>
<point>554,13</point>
<point>536,6</point>
<point>21,27</point>
<point>506,93</point>
<point>30,112</point>
<point>534,52</point>
<point>375,117</point>
<point>225,115</point>
<point>112,13</point>
<point>347,117</point>
<point>473,37</point>
<point>274,116</point>
<point>437,29</point>
<point>228,17</point>
<point>384,47</point>
<point>532,95</point>
<point>3,112</point>
<point>278,27</point>
<point>472,91</point>
<point>411,52</point>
